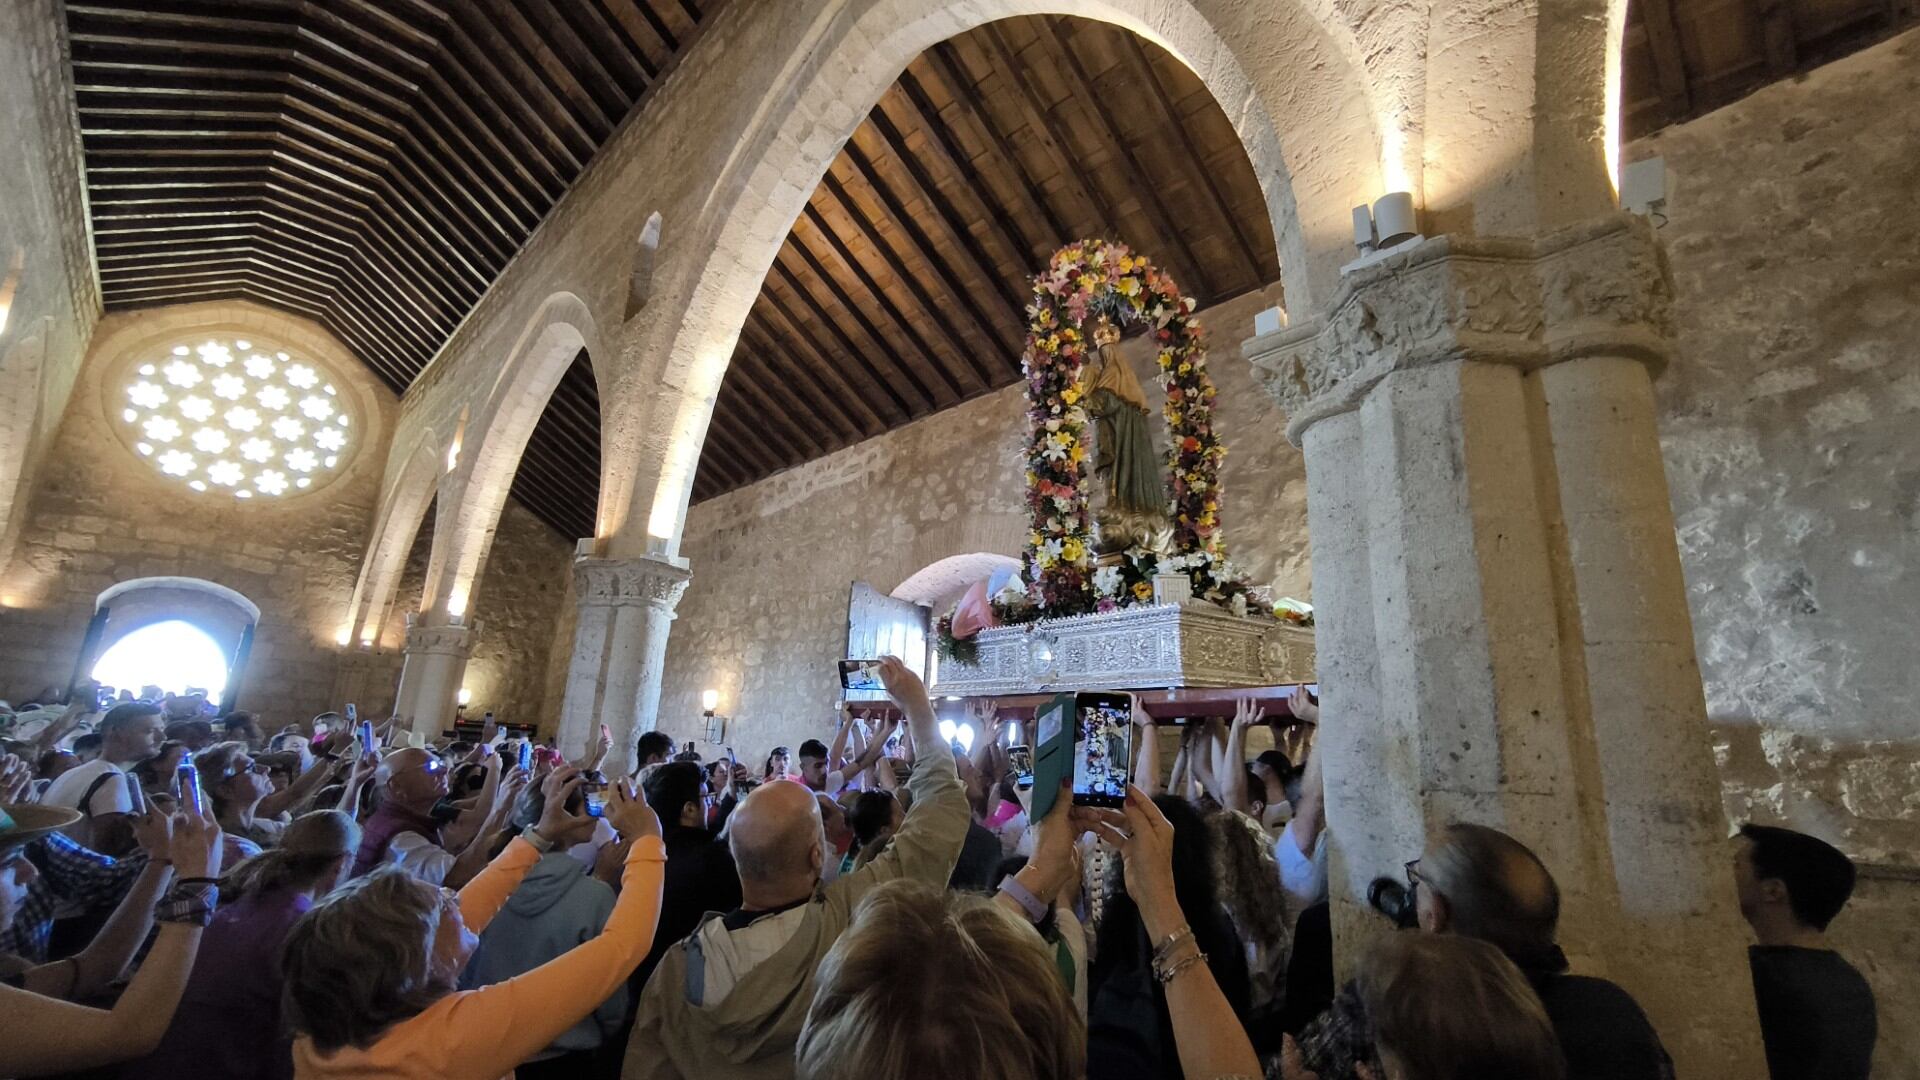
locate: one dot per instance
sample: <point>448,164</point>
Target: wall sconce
<point>709,701</point>
<point>716,725</point>
<point>464,697</point>
<point>1390,222</point>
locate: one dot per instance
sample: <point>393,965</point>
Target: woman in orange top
<point>371,969</point>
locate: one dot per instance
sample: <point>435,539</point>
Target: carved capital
<point>438,639</point>
<point>1599,288</point>
<point>655,583</point>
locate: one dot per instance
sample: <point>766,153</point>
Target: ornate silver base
<point>1165,646</point>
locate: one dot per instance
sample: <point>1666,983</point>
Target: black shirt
<point>1816,1013</point>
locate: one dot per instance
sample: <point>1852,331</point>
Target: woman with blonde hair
<point>371,970</point>
<point>1449,1007</point>
<point>229,1025</point>
<point>982,997</point>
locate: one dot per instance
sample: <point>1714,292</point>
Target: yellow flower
<point>1070,395</point>
<point>1142,591</point>
<point>1072,551</point>
<point>1078,453</point>
<point>1186,369</point>
<point>1129,286</point>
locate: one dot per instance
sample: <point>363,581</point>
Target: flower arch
<point>1092,278</point>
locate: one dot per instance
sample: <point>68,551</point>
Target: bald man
<point>1481,883</point>
<point>729,1000</point>
<point>409,830</point>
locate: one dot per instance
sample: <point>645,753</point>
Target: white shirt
<point>69,790</point>
<point>420,857</point>
<point>1304,877</point>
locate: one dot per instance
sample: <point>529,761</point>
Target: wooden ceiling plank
<point>509,89</point>
<point>501,230</point>
<point>432,126</point>
<point>848,350</point>
<point>607,86</point>
<point>636,32</point>
<point>773,345</point>
<point>1662,31</point>
<point>752,440</point>
<point>949,153</point>
<point>458,105</point>
<point>745,373</point>
<point>935,360</point>
<point>817,272</point>
<point>897,271</point>
<point>1110,133</point>
<point>641,12</point>
<point>811,393</point>
<point>590,23</point>
<point>412,318</point>
<point>539,55</point>
<point>946,63</point>
<point>897,214</point>
<point>1134,55</point>
<point>990,275</point>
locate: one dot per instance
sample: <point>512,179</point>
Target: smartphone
<point>1102,748</point>
<point>366,736</point>
<point>860,675</point>
<point>1020,760</point>
<point>593,792</point>
<point>526,756</point>
<point>136,794</point>
<point>353,715</point>
<point>187,779</point>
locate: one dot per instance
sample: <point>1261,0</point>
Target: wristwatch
<point>540,843</point>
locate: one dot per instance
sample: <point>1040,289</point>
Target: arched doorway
<point>174,656</point>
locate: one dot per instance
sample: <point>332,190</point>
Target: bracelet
<point>1165,948</point>
<point>1166,974</point>
<point>192,904</point>
<point>539,843</point>
<point>1036,911</point>
<point>196,881</point>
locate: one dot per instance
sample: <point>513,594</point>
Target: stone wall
<point>766,613</point>
<point>102,516</point>
<point>1789,429</point>
<point>45,325</point>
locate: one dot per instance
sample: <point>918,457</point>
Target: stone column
<point>430,676</point>
<point>1504,637</point>
<point>625,610</point>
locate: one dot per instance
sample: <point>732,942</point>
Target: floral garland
<point>1092,278</point>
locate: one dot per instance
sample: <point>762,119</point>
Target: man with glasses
<point>416,829</point>
<point>1481,883</point>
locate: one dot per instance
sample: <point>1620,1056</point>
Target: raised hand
<point>195,843</point>
<point>16,779</point>
<point>1147,847</point>
<point>1302,706</point>
<point>904,687</point>
<point>153,831</point>
<point>629,814</point>
<point>554,820</point>
<point>1055,854</point>
<point>1247,713</point>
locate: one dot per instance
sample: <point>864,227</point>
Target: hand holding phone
<point>860,675</point>
<point>187,778</point>
<point>526,755</point>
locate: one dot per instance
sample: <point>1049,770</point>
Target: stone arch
<point>939,584</point>
<point>403,506</point>
<point>223,614</point>
<point>1311,89</point>
<point>492,443</point>
<point>974,535</point>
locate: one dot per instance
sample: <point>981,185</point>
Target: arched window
<point>175,656</point>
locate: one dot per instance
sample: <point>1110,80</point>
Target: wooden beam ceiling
<point>373,164</point>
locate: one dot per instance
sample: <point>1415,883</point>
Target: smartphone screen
<point>1020,760</point>
<point>1102,748</point>
<point>135,794</point>
<point>188,779</point>
<point>860,675</point>
<point>352,713</point>
<point>526,756</point>
<point>366,736</point>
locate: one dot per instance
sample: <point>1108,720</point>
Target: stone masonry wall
<point>1791,429</point>
<point>102,516</point>
<point>765,615</point>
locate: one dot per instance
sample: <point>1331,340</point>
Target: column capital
<point>1598,288</point>
<point>645,580</point>
<point>440,640</point>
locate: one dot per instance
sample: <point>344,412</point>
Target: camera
<point>1394,900</point>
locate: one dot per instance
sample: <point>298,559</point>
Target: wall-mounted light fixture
<point>464,697</point>
<point>1389,223</point>
<point>709,701</point>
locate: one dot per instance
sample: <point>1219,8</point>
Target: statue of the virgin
<point>1130,499</point>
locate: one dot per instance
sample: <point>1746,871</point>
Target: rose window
<point>229,417</point>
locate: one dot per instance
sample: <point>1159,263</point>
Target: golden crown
<point>1105,333</point>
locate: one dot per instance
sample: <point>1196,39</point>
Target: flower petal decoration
<point>146,395</point>
<point>273,397</point>
<point>259,451</point>
<point>161,428</point>
<point>301,459</point>
<point>176,463</point>
<point>182,374</point>
<point>240,418</point>
<point>196,408</point>
<point>229,386</point>
<point>271,482</point>
<point>225,473</point>
<point>211,440</point>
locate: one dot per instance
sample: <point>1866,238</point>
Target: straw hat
<point>22,823</point>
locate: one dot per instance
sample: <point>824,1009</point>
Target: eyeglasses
<point>246,765</point>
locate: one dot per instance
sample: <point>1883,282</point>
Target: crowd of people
<point>182,895</point>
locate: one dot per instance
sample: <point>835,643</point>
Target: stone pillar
<point>625,610</point>
<point>430,676</point>
<point>1504,637</point>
